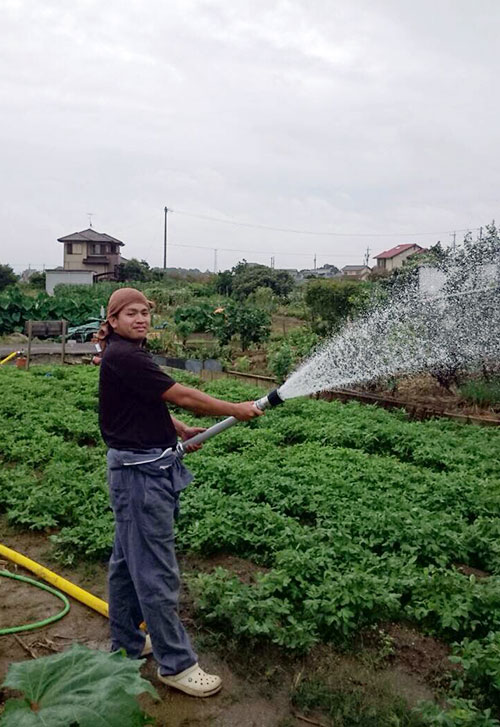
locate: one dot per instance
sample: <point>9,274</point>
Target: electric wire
<point>256,252</point>
<point>318,232</point>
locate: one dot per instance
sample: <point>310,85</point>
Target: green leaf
<point>77,687</point>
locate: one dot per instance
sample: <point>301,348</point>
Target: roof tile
<point>397,250</point>
<point>89,235</point>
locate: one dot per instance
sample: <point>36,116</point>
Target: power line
<point>316,232</point>
<point>257,252</point>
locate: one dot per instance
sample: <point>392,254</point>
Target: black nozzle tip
<point>274,398</point>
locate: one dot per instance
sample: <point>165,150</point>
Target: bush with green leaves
<point>458,713</point>
<point>280,361</point>
<point>285,355</point>
<point>198,316</point>
<point>252,325</point>
<point>331,302</point>
<point>264,298</point>
<point>475,686</point>
<point>134,270</point>
<point>479,674</point>
<point>244,279</point>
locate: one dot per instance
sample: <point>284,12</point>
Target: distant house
<point>293,272</point>
<point>88,256</point>
<point>92,250</point>
<point>396,256</point>
<point>326,272</point>
<point>356,272</point>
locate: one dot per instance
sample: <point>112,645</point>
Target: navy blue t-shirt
<point>132,414</point>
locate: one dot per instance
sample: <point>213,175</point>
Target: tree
<point>246,278</point>
<point>7,276</point>
<point>331,302</point>
<point>37,280</point>
<point>224,283</point>
<point>183,330</point>
<point>134,270</point>
<point>198,316</point>
<point>250,324</point>
<point>264,298</point>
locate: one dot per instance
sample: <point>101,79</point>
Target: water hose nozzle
<point>270,400</point>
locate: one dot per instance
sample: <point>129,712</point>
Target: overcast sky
<point>379,117</point>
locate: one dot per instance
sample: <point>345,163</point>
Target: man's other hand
<point>189,432</point>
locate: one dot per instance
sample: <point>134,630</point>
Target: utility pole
<point>165,241</point>
<point>215,260</point>
<point>315,261</point>
<point>272,262</point>
<point>454,241</point>
<point>480,234</point>
<point>367,256</point>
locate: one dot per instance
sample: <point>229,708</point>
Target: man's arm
<point>201,403</point>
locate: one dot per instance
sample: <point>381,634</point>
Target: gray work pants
<point>143,572</point>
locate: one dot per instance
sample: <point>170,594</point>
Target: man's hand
<point>187,433</point>
<point>247,410</point>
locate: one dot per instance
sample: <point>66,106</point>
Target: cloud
<point>326,115</point>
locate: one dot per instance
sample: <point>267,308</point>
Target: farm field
<point>330,526</point>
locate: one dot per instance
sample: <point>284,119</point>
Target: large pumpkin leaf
<point>77,687</point>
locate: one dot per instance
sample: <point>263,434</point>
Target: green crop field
<point>352,515</point>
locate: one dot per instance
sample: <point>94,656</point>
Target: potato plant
<point>352,514</point>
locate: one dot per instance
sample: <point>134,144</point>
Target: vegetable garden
<point>351,515</point>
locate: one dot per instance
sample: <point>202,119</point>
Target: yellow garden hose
<point>97,604</point>
<point>7,358</point>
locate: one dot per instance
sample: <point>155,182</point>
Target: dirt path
<point>258,682</point>
<point>242,703</point>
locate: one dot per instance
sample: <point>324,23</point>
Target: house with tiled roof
<point>91,250</point>
<point>88,256</point>
<point>356,272</point>
<point>396,256</point>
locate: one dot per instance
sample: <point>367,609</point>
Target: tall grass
<point>482,392</point>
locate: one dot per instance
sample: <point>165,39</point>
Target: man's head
<point>129,313</point>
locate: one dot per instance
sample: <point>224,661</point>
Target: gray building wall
<point>67,277</point>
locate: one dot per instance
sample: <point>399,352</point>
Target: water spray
<point>447,319</point>
<point>266,402</point>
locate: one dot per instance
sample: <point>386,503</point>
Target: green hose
<point>37,624</point>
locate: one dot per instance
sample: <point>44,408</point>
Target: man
<point>145,479</point>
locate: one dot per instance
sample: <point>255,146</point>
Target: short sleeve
<point>141,375</point>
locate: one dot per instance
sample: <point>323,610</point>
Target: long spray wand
<point>270,400</point>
